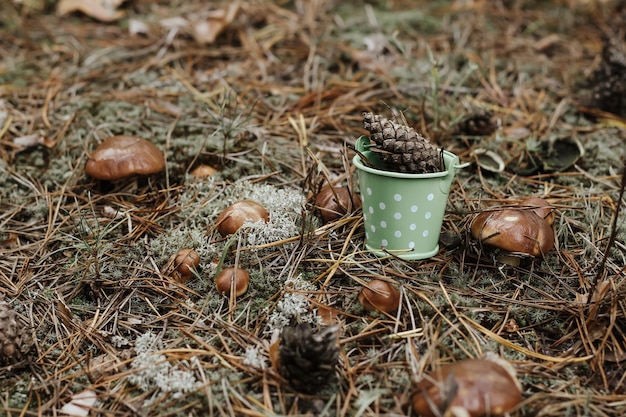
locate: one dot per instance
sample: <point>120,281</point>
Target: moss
<point>17,389</point>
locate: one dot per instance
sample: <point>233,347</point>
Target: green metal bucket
<point>403,213</point>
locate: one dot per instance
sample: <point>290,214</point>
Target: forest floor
<point>271,94</point>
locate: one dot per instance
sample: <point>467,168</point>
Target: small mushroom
<point>334,202</point>
<point>380,296</point>
<point>519,230</point>
<point>122,156</point>
<point>186,262</point>
<point>474,387</point>
<point>232,279</point>
<point>233,217</point>
<point>203,171</point>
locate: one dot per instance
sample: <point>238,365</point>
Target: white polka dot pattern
<point>419,226</point>
<point>403,214</point>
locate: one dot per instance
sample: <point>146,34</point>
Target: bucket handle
<point>362,143</point>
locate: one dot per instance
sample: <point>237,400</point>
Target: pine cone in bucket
<point>11,335</point>
<point>308,358</point>
<point>401,148</point>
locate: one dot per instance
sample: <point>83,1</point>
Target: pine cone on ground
<point>11,335</point>
<point>608,83</point>
<point>401,148</point>
<point>477,124</point>
<point>308,358</point>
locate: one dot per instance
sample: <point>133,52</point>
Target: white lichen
<point>254,358</point>
<point>293,305</point>
<point>152,369</point>
<point>119,341</point>
<point>284,205</point>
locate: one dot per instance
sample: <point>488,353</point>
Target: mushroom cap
<point>380,296</point>
<point>541,207</point>
<point>236,215</point>
<point>334,202</point>
<point>484,387</point>
<point>514,230</point>
<point>122,156</point>
<point>203,171</point>
<point>232,276</point>
<point>186,261</point>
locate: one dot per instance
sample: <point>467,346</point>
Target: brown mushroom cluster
<point>234,281</point>
<point>472,387</point>
<point>523,230</point>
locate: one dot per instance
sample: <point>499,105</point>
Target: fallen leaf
<point>80,404</point>
<point>206,31</point>
<point>546,42</point>
<point>9,243</point>
<point>137,27</point>
<point>511,326</point>
<point>176,22</point>
<point>274,354</point>
<point>103,366</point>
<point>164,107</point>
<point>102,10</point>
<point>29,141</point>
<point>517,132</point>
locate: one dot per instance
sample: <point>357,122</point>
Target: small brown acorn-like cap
<point>232,278</point>
<point>186,261</point>
<point>380,296</point>
<point>236,215</point>
<point>203,171</point>
<point>122,156</point>
<point>334,202</point>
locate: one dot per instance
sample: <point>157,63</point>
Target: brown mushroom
<point>186,262</point>
<point>380,296</point>
<point>203,171</point>
<point>334,202</point>
<point>541,207</point>
<point>122,156</point>
<point>230,279</point>
<point>236,215</point>
<point>478,387</point>
<point>520,230</point>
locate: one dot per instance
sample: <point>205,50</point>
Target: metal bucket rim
<point>450,157</point>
